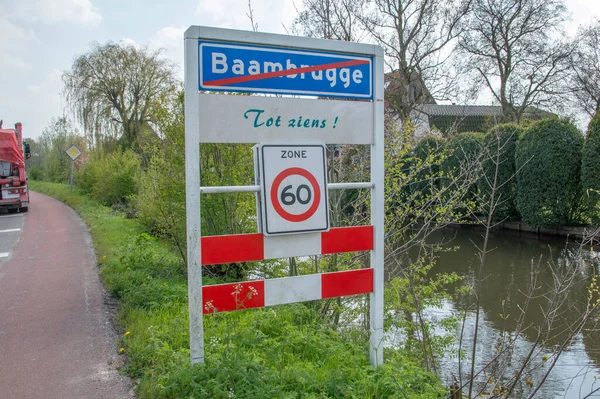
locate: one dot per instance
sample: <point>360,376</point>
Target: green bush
<point>590,169</point>
<point>111,178</point>
<point>548,162</point>
<point>500,144</point>
<point>426,154</point>
<point>463,157</point>
<point>161,203</point>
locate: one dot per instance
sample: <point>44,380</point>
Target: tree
<point>415,35</point>
<point>585,64</point>
<point>509,47</point>
<point>590,169</point>
<point>548,163</point>
<point>113,87</point>
<point>49,151</point>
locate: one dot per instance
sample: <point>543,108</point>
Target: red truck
<point>14,195</point>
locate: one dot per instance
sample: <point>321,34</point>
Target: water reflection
<point>507,279</point>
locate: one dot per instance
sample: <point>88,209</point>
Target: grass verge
<point>278,352</point>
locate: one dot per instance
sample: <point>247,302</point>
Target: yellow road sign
<point>73,152</point>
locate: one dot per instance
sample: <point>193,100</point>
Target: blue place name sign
<point>248,68</point>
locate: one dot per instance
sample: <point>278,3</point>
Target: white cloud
<point>170,40</point>
<point>81,12</point>
<point>268,14</point>
<point>14,41</point>
<point>130,42</point>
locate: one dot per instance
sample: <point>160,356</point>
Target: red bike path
<point>56,336</point>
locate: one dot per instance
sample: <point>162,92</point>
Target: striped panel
<point>251,247</point>
<point>232,248</point>
<point>278,291</point>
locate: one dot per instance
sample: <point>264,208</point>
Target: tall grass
<point>278,352</point>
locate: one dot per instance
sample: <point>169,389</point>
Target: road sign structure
<point>73,152</point>
<point>293,188</point>
<point>292,191</point>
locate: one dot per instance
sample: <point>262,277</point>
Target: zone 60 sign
<point>293,188</point>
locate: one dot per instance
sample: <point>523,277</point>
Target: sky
<point>39,39</point>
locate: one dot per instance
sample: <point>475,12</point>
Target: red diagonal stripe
<point>236,296</point>
<point>232,248</point>
<point>347,239</point>
<point>267,75</point>
<point>350,282</point>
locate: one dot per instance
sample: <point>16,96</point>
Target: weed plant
<point>277,352</point>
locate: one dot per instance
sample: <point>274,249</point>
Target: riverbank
<point>570,232</point>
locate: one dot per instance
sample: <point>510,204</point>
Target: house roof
<point>472,110</point>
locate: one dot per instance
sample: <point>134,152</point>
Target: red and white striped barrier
<point>249,247</point>
<point>253,247</point>
<point>279,291</point>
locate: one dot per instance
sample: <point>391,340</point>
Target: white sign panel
<point>223,118</point>
<point>293,188</point>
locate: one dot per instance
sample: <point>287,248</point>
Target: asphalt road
<point>56,336</point>
<point>10,230</point>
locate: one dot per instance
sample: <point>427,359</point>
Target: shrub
<point>462,151</point>
<point>111,178</point>
<point>463,157</point>
<point>161,203</point>
<point>426,153</point>
<point>590,169</point>
<point>500,145</point>
<point>548,162</point>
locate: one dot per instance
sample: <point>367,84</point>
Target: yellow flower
<point>127,333</point>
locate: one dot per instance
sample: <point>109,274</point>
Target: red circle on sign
<point>275,189</point>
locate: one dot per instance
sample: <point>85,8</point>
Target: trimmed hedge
<point>462,149</point>
<point>548,161</point>
<point>463,153</point>
<point>427,153</point>
<point>500,146</point>
<point>590,169</point>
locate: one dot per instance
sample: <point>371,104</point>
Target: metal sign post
<point>294,214</point>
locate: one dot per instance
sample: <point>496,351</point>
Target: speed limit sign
<point>293,181</point>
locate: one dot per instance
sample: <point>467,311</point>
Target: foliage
<point>284,351</point>
<point>113,88</point>
<point>160,203</point>
<point>426,151</point>
<point>500,146</point>
<point>462,150</point>
<point>227,165</point>
<point>590,169</point>
<point>407,295</point>
<point>161,200</point>
<point>111,178</point>
<point>463,154</point>
<point>548,162</point>
<point>49,160</point>
<point>412,216</point>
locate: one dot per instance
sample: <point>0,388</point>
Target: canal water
<point>507,277</point>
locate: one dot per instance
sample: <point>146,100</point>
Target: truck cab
<point>14,194</point>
